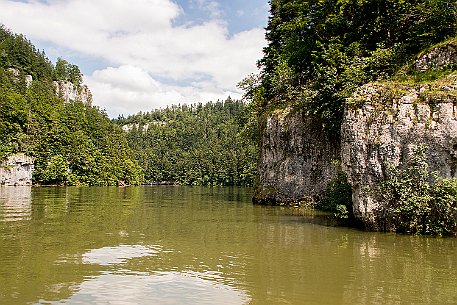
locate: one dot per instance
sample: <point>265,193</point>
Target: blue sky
<point>145,54</point>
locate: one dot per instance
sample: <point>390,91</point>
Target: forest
<point>77,144</point>
<point>319,51</point>
<point>72,143</point>
<point>198,144</point>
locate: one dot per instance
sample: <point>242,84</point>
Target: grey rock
<point>297,159</point>
<point>378,136</point>
<point>16,170</point>
<point>382,127</point>
<point>28,79</point>
<point>68,92</point>
<point>438,58</point>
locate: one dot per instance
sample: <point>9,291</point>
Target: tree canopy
<point>198,144</point>
<point>319,51</point>
<point>72,143</point>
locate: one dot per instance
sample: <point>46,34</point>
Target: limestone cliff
<point>386,131</point>
<point>63,88</point>
<point>28,79</point>
<point>439,57</point>
<point>297,159</point>
<point>16,170</point>
<point>383,125</point>
<point>69,92</point>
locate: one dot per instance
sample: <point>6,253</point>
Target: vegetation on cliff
<point>419,201</point>
<point>194,144</point>
<point>319,51</point>
<point>72,143</point>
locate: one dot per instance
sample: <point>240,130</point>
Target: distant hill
<point>46,113</point>
<point>198,144</point>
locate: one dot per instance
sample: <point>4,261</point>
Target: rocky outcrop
<point>440,57</point>
<point>28,79</point>
<point>69,92</point>
<point>16,170</point>
<point>63,88</point>
<point>382,128</point>
<point>386,131</point>
<point>297,159</point>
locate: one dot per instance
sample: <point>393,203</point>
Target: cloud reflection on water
<point>118,255</point>
<point>122,286</point>
<point>165,288</point>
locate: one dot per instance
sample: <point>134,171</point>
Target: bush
<point>419,202</point>
<point>338,197</point>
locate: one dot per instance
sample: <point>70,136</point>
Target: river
<point>184,245</point>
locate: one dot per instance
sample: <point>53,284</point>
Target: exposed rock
<point>129,127</point>
<point>297,159</point>
<point>17,170</point>
<point>28,79</point>
<point>383,126</point>
<point>444,56</point>
<point>385,133</point>
<point>69,92</point>
<point>13,71</point>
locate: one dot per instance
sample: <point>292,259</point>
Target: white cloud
<point>141,44</point>
<point>210,6</point>
<point>130,89</point>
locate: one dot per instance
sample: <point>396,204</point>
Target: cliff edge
<point>297,159</point>
<point>384,124</point>
<point>394,121</point>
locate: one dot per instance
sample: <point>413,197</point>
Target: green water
<point>180,245</point>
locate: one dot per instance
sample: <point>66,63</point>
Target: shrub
<point>338,197</point>
<point>417,201</point>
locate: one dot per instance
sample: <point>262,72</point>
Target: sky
<point>141,55</point>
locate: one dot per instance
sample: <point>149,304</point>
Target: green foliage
<point>418,201</point>
<point>55,171</point>
<point>67,71</point>
<point>327,48</point>
<point>338,197</point>
<point>198,144</point>
<point>72,143</point>
<point>19,53</point>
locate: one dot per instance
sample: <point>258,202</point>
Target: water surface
<point>182,245</point>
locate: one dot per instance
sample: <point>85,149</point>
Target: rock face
<point>28,79</point>
<point>67,91</point>
<point>383,125</point>
<point>297,159</point>
<point>63,89</point>
<point>378,136</point>
<point>441,57</point>
<point>16,170</point>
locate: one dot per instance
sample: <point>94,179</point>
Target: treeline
<point>17,52</point>
<point>196,144</point>
<point>319,51</point>
<point>72,143</point>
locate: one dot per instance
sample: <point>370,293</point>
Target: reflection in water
<point>178,245</point>
<point>123,286</point>
<point>117,255</point>
<point>17,203</point>
<point>389,267</point>
<point>166,288</point>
